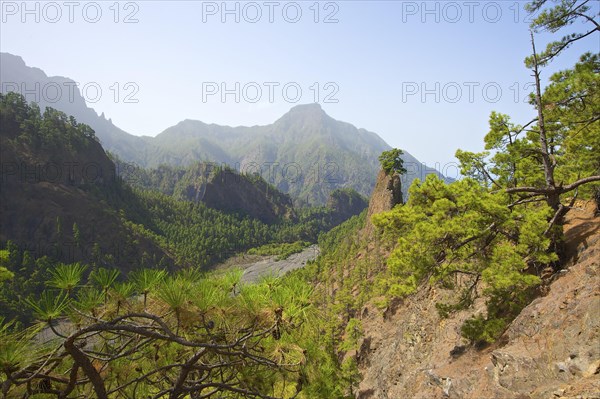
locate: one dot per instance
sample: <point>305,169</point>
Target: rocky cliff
<point>386,194</point>
<point>233,193</point>
<point>550,351</point>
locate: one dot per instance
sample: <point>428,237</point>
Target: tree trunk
<point>553,197</point>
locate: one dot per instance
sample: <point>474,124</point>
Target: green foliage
<point>481,330</point>
<point>4,258</point>
<point>201,236</point>
<point>250,340</point>
<point>560,14</point>
<point>462,229</point>
<point>553,158</point>
<point>50,129</point>
<point>28,279</point>
<point>146,281</point>
<point>283,251</point>
<point>573,101</point>
<point>574,105</point>
<point>348,195</point>
<point>67,277</point>
<point>391,161</point>
<point>350,373</point>
<point>502,224</point>
<point>89,300</point>
<point>76,234</point>
<point>353,332</point>
<point>121,293</point>
<point>105,279</point>
<point>342,328</point>
<point>5,274</point>
<point>16,351</point>
<point>50,306</point>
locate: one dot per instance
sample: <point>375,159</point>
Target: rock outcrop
<point>387,194</point>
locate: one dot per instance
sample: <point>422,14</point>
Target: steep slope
<point>305,153</point>
<point>233,193</point>
<point>392,348</point>
<point>215,186</point>
<point>551,350</point>
<point>54,192</point>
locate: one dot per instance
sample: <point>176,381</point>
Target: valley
<point>302,257</point>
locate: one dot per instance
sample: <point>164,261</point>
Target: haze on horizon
<point>423,75</point>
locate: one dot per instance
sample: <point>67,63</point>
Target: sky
<point>425,76</point>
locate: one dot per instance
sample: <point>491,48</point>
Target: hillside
<point>56,192</point>
<point>412,346</point>
<point>217,187</point>
<point>305,153</point>
<point>550,350</point>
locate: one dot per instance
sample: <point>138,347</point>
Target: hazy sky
<point>423,75</point>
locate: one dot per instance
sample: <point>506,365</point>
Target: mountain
<point>59,190</point>
<point>305,153</point>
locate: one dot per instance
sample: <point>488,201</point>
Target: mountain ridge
<point>315,153</point>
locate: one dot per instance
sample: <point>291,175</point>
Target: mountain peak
<point>303,113</point>
<point>307,107</point>
<point>313,109</point>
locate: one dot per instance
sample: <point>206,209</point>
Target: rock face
<point>550,351</point>
<point>233,193</point>
<point>346,203</point>
<point>387,194</point>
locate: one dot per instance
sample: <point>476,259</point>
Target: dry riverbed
<point>257,266</point>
